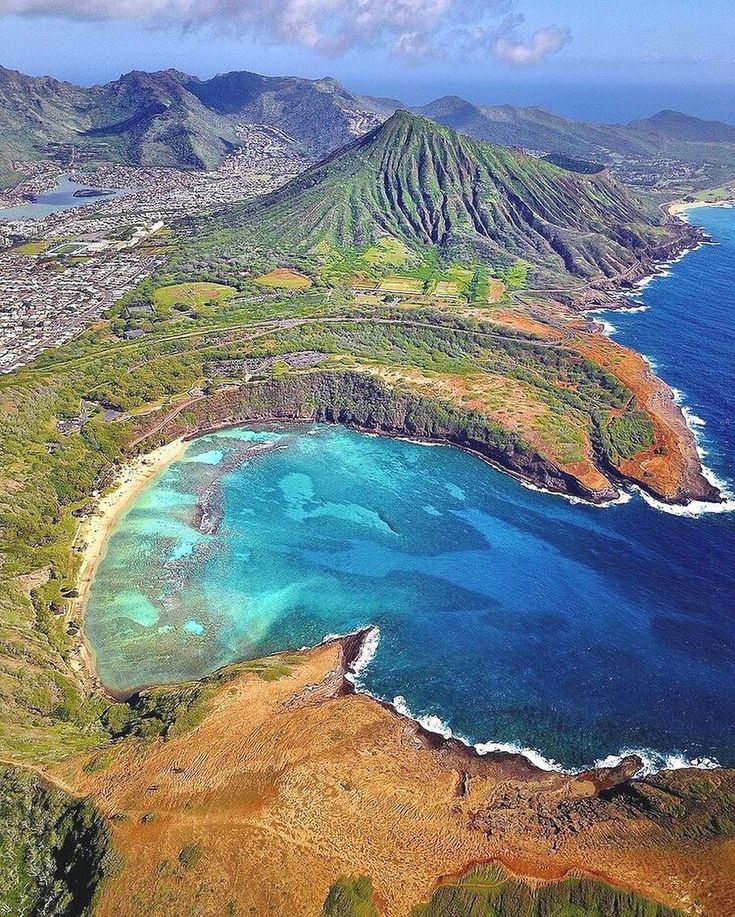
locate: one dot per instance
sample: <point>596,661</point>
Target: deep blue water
<point>511,616</point>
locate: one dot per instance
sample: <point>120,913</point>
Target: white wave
<point>622,497</point>
<point>693,509</point>
<point>694,422</point>
<point>430,722</point>
<point>696,508</point>
<point>535,757</point>
<point>367,653</point>
<point>328,638</point>
<point>654,761</point>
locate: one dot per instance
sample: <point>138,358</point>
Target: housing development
<point>60,273</point>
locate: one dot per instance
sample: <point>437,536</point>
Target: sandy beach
<point>682,206</point>
<point>94,531</point>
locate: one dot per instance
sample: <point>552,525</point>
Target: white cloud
<point>415,47</point>
<point>414,29</point>
<point>524,54</point>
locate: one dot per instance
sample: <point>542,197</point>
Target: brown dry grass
<point>287,785</point>
<point>284,278</point>
<point>671,465</point>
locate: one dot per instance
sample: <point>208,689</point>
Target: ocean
<point>508,617</point>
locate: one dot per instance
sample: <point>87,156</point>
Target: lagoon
<point>60,198</point>
<point>513,618</point>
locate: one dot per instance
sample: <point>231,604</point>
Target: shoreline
<point>627,302</point>
<point>359,648</point>
<point>94,532</point>
<point>679,207</point>
<point>95,529</point>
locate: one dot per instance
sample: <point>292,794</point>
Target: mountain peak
<point>427,187</point>
<point>679,126</point>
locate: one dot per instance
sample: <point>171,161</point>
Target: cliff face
<point>362,403</point>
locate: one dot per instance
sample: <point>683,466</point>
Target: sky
<point>604,60</point>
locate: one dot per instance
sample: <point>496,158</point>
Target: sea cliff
<point>363,403</point>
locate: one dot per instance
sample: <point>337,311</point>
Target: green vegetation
<point>627,435</point>
<point>367,208</point>
<point>492,892</point>
<point>54,850</point>
<point>387,252</point>
<point>171,711</point>
<point>48,475</point>
<point>223,325</point>
<point>350,896</point>
<point>8,177</point>
<point>30,249</point>
<point>516,277</point>
<point>571,164</point>
<point>193,295</point>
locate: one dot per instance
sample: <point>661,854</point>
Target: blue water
<point>511,616</point>
<point>61,198</point>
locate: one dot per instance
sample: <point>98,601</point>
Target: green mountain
<point>169,118</point>
<point>321,114</point>
<point>36,110</point>
<point>427,186</point>
<point>666,135</point>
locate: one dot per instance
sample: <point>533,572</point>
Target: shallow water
<point>61,198</point>
<point>507,615</point>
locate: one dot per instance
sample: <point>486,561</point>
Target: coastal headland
<point>669,469</point>
<point>288,774</point>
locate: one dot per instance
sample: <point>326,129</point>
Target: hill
<point>321,114</point>
<point>426,186</point>
<point>668,134</point>
<point>170,118</point>
<point>673,125</point>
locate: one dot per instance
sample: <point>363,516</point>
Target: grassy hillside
<point>490,891</point>
<point>425,186</point>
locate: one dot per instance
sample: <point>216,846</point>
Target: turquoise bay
<point>509,615</point>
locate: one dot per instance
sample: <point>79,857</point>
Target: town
<point>62,272</point>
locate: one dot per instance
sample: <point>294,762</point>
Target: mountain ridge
<point>172,118</point>
<point>665,134</point>
<point>424,185</point>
